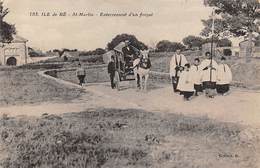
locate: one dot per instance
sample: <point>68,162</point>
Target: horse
<point>142,67</point>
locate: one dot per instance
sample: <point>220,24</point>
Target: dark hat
<point>187,65</point>
<point>197,59</point>
<point>207,53</point>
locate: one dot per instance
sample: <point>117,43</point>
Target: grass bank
<point>126,138</point>
<point>22,86</point>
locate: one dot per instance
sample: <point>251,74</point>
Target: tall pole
<point>212,42</point>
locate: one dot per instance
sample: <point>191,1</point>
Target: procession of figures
<point>188,79</point>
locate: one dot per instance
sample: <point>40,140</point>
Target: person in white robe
<point>224,77</point>
<point>177,63</point>
<point>197,76</point>
<point>186,83</point>
<point>209,75</point>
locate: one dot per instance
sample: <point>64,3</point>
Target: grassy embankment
<point>22,86</point>
<point>126,138</point>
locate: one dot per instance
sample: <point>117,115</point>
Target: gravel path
<point>240,106</point>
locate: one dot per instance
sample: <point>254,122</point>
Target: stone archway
<point>11,61</point>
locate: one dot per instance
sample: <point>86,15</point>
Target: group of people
<point>205,76</point>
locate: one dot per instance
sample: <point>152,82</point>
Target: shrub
<point>227,52</point>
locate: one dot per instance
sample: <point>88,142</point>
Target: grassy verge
<point>20,86</point>
<point>126,138</point>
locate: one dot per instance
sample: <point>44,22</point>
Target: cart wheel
<point>117,81</point>
<point>123,78</point>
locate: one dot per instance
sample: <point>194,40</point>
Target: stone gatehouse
<point>15,52</point>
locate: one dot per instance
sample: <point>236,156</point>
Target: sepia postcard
<point>129,84</point>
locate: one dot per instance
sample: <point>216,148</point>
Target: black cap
<point>223,58</point>
<point>187,65</point>
<point>207,53</point>
<point>197,59</point>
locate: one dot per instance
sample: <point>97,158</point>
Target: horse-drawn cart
<point>124,57</point>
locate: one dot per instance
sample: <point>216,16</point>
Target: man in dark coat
<point>111,68</point>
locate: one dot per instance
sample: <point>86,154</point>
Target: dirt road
<point>241,106</point>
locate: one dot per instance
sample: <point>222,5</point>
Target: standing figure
<point>186,84</point>
<point>224,77</point>
<point>81,74</point>
<point>176,66</point>
<point>209,75</point>
<point>197,76</point>
<point>136,63</point>
<point>111,69</point>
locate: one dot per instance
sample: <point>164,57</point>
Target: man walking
<point>111,68</point>
<point>81,74</point>
<point>176,67</point>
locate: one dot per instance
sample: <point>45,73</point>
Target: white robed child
<point>209,75</point>
<point>224,77</point>
<point>197,76</point>
<point>186,84</point>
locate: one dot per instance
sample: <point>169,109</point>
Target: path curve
<point>240,107</point>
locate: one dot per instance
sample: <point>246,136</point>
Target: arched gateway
<point>11,61</point>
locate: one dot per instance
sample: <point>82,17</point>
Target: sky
<point>171,20</point>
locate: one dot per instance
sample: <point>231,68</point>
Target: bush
<point>227,52</point>
<point>92,59</point>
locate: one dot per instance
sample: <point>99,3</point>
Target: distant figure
<point>197,76</point>
<point>224,77</point>
<point>186,84</point>
<point>209,75</point>
<point>176,66</point>
<point>81,74</point>
<point>111,69</point>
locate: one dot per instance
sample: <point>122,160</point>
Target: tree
<point>163,46</point>
<point>56,50</point>
<point>123,37</point>
<point>236,18</point>
<point>100,51</point>
<point>168,46</point>
<point>224,43</point>
<point>227,52</point>
<point>177,46</point>
<point>193,41</point>
<point>35,52</point>
<point>219,28</point>
<point>6,30</point>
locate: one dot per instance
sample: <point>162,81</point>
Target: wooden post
<point>212,43</point>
